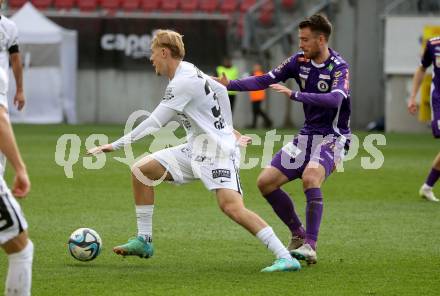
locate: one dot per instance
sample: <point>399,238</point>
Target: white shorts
<point>12,221</point>
<point>3,101</point>
<point>185,167</point>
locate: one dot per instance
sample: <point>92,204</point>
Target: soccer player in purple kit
<point>322,76</point>
<point>430,56</point>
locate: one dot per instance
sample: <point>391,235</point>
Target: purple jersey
<point>328,77</point>
<point>324,91</point>
<point>430,56</point>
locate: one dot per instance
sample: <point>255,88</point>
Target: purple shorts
<point>435,109</point>
<point>293,158</point>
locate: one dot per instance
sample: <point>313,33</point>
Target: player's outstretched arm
<point>8,147</point>
<point>416,83</point>
<point>19,99</point>
<point>160,116</point>
<point>327,100</point>
<point>222,79</point>
<point>243,141</point>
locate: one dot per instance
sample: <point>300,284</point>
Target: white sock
<point>144,218</point>
<point>273,243</point>
<point>19,279</point>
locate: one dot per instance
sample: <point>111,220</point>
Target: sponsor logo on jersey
<point>324,76</point>
<point>335,60</point>
<point>168,94</point>
<point>304,69</point>
<point>322,86</point>
<point>282,65</point>
<point>221,173</point>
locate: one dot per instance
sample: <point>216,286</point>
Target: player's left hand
<point>19,100</point>
<point>244,141</point>
<point>22,185</point>
<point>412,106</point>
<point>281,89</point>
<point>100,149</point>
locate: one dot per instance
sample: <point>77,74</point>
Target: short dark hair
<point>317,23</point>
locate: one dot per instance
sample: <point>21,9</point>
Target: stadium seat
<point>16,3</point>
<point>288,3</point>
<point>246,4</point>
<point>42,4</point>
<point>64,4</point>
<point>150,5</point>
<point>111,5</point>
<point>208,5</point>
<point>266,13</point>
<point>170,5</point>
<point>228,6</point>
<point>130,5</point>
<point>189,5</point>
<point>266,17</point>
<point>87,5</point>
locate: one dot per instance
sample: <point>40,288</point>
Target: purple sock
<point>313,215</point>
<point>433,176</point>
<point>283,206</point>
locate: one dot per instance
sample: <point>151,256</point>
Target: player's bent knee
<point>147,167</point>
<point>16,244</point>
<point>310,181</point>
<point>266,184</point>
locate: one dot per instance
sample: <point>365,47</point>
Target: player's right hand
<point>100,149</point>
<point>222,79</point>
<point>22,185</point>
<point>412,106</point>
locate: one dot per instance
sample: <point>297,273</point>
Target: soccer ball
<point>84,244</point>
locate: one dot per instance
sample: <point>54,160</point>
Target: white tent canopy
<point>50,57</point>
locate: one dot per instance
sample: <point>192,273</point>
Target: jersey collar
<point>325,62</point>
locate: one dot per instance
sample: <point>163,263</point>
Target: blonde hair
<point>171,40</point>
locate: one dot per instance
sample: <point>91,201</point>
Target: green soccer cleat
<point>283,265</point>
<point>136,246</point>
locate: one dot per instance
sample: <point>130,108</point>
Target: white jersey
<point>8,38</point>
<point>204,110</point>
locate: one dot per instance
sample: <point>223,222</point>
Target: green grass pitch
<point>377,237</point>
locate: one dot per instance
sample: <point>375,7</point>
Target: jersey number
<point>219,123</point>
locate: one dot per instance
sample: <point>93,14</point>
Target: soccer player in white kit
<point>210,153</point>
<point>9,51</point>
<point>13,226</point>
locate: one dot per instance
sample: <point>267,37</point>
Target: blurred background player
<point>431,55</point>
<point>9,51</point>
<point>210,153</point>
<point>231,72</point>
<point>257,97</point>
<point>322,76</point>
<point>13,226</point>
